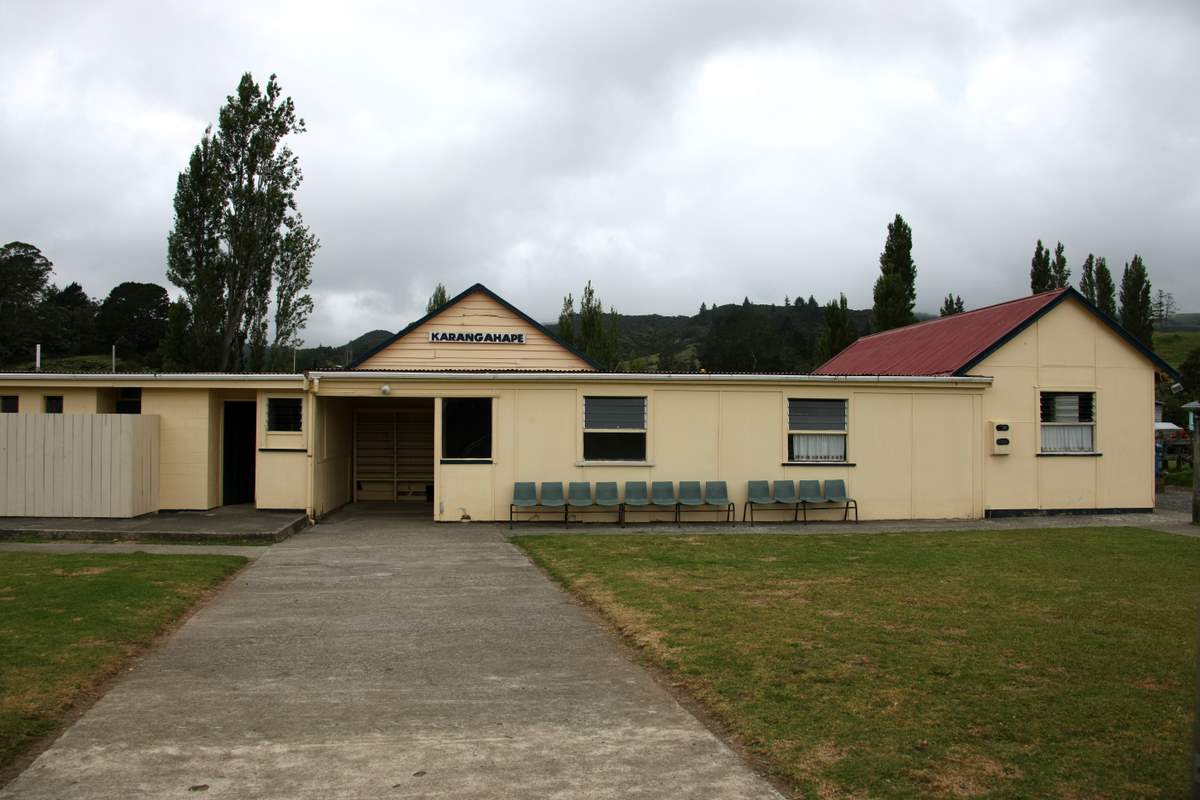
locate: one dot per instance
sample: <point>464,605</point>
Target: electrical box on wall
<point>1001,437</point>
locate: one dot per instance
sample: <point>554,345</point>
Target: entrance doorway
<point>393,451</point>
<point>238,448</point>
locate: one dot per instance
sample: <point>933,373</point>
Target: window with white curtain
<point>817,430</point>
<point>1068,422</point>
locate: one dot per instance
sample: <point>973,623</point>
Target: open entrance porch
<point>377,453</point>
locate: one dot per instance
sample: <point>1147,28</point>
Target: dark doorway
<point>237,482</point>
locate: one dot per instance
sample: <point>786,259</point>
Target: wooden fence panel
<point>78,465</point>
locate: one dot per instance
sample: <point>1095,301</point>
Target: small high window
<point>1068,422</point>
<point>467,428</point>
<point>284,414</point>
<point>129,400</point>
<point>54,404</point>
<point>9,404</point>
<point>817,430</point>
<point>614,429</point>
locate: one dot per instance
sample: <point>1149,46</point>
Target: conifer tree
<point>1040,275</point>
<point>895,289</point>
<point>1060,273</point>
<point>838,331</point>
<point>1087,279</point>
<point>1106,290</point>
<point>953,304</point>
<point>566,321</point>
<point>1137,317</point>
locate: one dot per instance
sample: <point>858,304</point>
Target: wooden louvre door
<point>393,451</point>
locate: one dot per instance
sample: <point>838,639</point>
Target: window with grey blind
<point>817,430</point>
<point>614,428</point>
<point>284,414</point>
<point>1068,422</point>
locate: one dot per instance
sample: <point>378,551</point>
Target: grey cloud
<point>673,152</point>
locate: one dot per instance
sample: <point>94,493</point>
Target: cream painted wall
<point>281,468</point>
<point>914,447</point>
<point>185,445</point>
<point>1068,349</point>
<point>333,435</point>
<point>476,312</point>
<point>81,400</point>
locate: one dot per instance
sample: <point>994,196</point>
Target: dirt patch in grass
<point>631,623</point>
<point>970,775</point>
<point>62,573</point>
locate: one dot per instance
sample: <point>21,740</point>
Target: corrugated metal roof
<point>938,346</point>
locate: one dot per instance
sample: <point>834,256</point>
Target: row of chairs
<point>579,498</point>
<point>662,496</point>
<point>810,494</point>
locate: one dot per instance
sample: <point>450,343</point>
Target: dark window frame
<point>820,422</point>
<point>1048,417</point>
<point>10,404</point>
<point>49,401</point>
<point>470,443</point>
<point>129,400</point>
<point>285,415</point>
<point>618,432</point>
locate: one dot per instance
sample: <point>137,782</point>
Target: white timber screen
<point>78,465</point>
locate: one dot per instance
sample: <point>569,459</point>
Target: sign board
<point>476,337</point>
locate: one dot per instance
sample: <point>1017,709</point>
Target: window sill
<point>614,463</point>
<point>467,461</point>
<point>818,464</point>
<point>1069,455</point>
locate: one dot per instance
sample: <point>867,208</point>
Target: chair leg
<point>804,508</point>
<point>731,515</point>
<point>511,507</point>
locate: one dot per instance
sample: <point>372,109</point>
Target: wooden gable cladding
<point>475,311</point>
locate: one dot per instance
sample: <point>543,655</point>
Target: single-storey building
<point>1038,404</point>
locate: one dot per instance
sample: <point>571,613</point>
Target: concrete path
<point>364,658</point>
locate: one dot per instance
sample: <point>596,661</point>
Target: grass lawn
<point>1014,664</point>
<point>69,621</point>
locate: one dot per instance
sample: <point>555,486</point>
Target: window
<point>614,429</point>
<point>284,414</point>
<point>467,427</point>
<point>817,430</point>
<point>1068,422</point>
<point>9,404</point>
<point>54,404</point>
<point>129,400</point>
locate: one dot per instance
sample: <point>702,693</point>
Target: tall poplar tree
<point>1041,277</point>
<point>1087,279</point>
<point>1060,273</point>
<point>1106,289</point>
<point>239,248</point>
<point>895,288</point>
<point>1137,315</point>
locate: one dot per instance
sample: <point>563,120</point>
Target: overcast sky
<point>672,152</point>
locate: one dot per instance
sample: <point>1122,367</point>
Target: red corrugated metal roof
<point>938,346</point>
